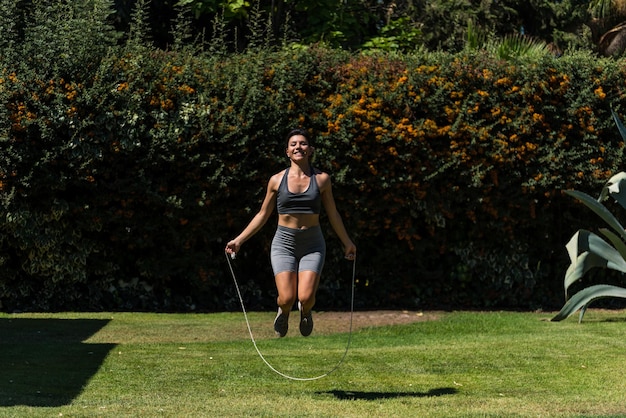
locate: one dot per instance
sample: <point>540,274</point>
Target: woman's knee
<point>286,284</point>
<point>307,287</point>
<point>287,299</point>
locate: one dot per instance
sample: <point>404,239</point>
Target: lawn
<point>457,364</point>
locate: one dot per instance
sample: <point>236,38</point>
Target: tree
<point>345,24</point>
<point>389,24</point>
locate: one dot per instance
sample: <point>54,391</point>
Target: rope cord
<point>243,308</point>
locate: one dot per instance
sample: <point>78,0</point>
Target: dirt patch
<point>330,322</point>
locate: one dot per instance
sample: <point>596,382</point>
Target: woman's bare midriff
<point>299,220</point>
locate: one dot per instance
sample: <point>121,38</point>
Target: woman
<point>298,248</point>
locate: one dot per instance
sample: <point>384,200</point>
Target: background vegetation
<point>389,24</point>
<point>125,167</point>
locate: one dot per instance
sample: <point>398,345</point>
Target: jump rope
<point>229,258</point>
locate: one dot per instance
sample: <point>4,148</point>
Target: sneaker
<point>281,323</point>
<point>306,322</point>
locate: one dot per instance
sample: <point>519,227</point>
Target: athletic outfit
<point>298,249</point>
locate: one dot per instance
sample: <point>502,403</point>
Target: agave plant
<point>588,250</point>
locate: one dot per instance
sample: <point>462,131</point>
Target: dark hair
<point>295,132</point>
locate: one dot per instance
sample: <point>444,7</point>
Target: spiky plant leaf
<point>584,262</point>
<point>586,296</point>
<point>616,188</point>
<point>605,8</point>
<point>476,37</point>
<point>620,125</point>
<point>586,241</point>
<point>587,250</point>
<point>616,241</point>
<point>519,45</point>
<point>600,210</point>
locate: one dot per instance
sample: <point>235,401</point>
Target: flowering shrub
<point>461,154</point>
<point>120,183</point>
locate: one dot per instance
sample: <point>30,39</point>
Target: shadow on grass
<point>374,396</point>
<point>44,362</point>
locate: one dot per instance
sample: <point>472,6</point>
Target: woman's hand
<point>232,247</point>
<point>350,251</point>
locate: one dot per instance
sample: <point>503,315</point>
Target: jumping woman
<point>298,248</point>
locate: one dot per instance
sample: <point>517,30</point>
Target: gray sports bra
<point>309,201</point>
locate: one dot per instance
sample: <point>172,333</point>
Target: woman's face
<point>298,148</point>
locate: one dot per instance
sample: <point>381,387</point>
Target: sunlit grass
<point>468,364</point>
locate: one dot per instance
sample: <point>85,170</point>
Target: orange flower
<point>372,168</point>
<point>186,89</point>
<point>167,104</point>
<point>600,93</point>
<point>530,146</point>
<point>504,81</point>
<point>430,124</point>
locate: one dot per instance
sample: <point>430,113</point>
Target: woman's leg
<point>308,281</point>
<point>313,253</point>
<point>286,284</point>
<point>307,288</point>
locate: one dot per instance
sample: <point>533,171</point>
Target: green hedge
<point>122,177</point>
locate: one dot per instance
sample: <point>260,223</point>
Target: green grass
<point>464,364</point>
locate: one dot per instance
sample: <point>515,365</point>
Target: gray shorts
<point>298,250</point>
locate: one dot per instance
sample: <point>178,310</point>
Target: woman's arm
<point>267,207</point>
<point>333,215</point>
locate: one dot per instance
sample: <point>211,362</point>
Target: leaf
<point>614,187</point>
<point>588,250</point>
<point>580,267</point>
<point>586,241</point>
<point>600,210</point>
<point>583,298</point>
<point>616,241</point>
<point>620,125</point>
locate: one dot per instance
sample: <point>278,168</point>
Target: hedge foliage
<point>125,169</point>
